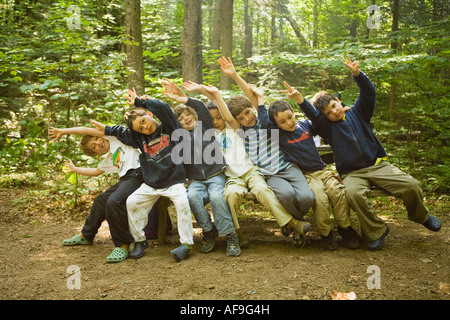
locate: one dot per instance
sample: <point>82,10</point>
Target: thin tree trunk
<point>135,61</point>
<point>192,58</point>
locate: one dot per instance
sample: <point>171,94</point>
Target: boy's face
<point>286,120</point>
<point>247,117</point>
<point>218,121</point>
<point>98,145</point>
<point>187,120</point>
<point>145,124</point>
<point>334,111</point>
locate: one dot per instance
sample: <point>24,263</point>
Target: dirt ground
<point>413,264</point>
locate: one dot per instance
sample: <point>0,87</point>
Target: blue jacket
<point>298,146</point>
<point>354,144</point>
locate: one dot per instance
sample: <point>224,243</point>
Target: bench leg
<point>163,203</point>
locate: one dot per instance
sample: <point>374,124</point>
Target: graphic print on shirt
<point>305,135</point>
<point>116,158</point>
<point>155,147</point>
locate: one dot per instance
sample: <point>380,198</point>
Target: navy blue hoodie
<point>158,168</point>
<point>354,144</point>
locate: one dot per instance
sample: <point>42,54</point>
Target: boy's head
<point>141,120</point>
<point>218,121</point>
<point>329,105</point>
<point>94,146</point>
<point>281,113</point>
<point>187,117</point>
<point>242,110</point>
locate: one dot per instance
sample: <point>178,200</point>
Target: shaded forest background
<point>65,62</point>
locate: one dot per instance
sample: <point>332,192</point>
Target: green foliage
<point>55,74</point>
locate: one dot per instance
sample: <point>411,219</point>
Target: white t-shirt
<point>233,149</point>
<point>120,157</point>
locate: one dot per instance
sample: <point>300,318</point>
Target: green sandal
<point>118,255</point>
<point>75,240</point>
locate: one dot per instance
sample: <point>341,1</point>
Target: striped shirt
<point>262,146</point>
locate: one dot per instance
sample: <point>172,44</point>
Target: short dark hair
<point>322,99</point>
<point>237,104</point>
<point>133,114</point>
<point>83,145</point>
<point>278,106</point>
<point>212,106</point>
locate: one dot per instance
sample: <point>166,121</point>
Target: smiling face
<point>186,120</point>
<point>334,111</point>
<point>98,145</point>
<point>247,117</point>
<point>285,120</point>
<point>145,124</point>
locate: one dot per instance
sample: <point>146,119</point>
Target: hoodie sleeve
<point>202,112</point>
<point>320,123</point>
<point>123,134</point>
<point>160,110</point>
<point>365,104</point>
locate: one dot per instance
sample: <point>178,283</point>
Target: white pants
<point>143,199</point>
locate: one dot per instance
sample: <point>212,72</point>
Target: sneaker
<point>301,226</point>
<point>350,236</point>
<point>139,249</point>
<point>209,238</point>
<point>180,253</point>
<point>298,239</point>
<point>286,230</point>
<point>233,248</point>
<point>433,223</point>
<point>377,244</point>
<point>328,242</point>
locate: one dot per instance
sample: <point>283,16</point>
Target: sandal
<point>286,230</point>
<point>118,255</point>
<point>77,239</point>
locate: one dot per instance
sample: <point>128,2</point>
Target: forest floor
<point>413,264</point>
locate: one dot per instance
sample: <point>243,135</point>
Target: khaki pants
<point>328,190</point>
<point>387,177</point>
<point>253,180</point>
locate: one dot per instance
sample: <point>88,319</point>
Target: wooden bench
<point>164,203</point>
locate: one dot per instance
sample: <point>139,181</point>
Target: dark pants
<point>111,205</point>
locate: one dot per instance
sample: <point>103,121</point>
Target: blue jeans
<point>199,193</point>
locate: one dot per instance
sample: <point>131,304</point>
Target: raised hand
<point>192,86</point>
<point>353,66</point>
<point>55,134</point>
<point>99,126</point>
<point>69,167</point>
<point>226,65</point>
<point>131,96</point>
<point>292,93</point>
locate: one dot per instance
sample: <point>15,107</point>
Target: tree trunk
<point>354,22</point>
<point>227,39</point>
<point>294,25</point>
<point>248,34</point>
<point>216,32</point>
<point>394,80</point>
<point>192,58</point>
<point>135,61</point>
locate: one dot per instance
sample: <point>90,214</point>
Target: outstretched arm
<point>223,108</point>
<point>191,86</point>
<point>227,67</point>
<point>56,133</point>
<point>292,93</point>
<point>172,91</point>
<point>91,172</point>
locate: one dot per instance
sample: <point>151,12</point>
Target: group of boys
<point>239,146</point>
